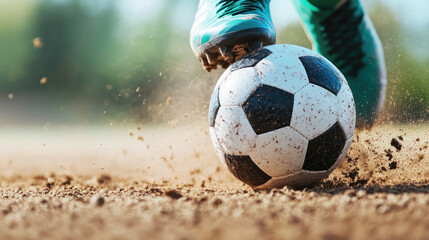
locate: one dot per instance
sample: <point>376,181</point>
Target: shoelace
<point>341,30</point>
<point>235,7</point>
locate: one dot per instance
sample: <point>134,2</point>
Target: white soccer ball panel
<point>298,179</point>
<point>234,131</point>
<point>222,77</point>
<point>279,152</point>
<point>238,86</point>
<point>283,72</point>
<point>346,110</point>
<point>217,146</point>
<point>342,156</point>
<point>315,111</point>
<point>292,50</point>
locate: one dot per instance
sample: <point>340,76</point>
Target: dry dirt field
<point>166,183</point>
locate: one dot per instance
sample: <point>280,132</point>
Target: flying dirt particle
<point>393,165</point>
<point>217,202</point>
<point>10,96</point>
<point>361,193</point>
<point>173,194</point>
<point>103,179</point>
<point>50,180</point>
<point>352,174</point>
<point>417,139</point>
<point>96,201</point>
<point>43,81</point>
<point>395,143</point>
<point>139,128</point>
<point>203,184</point>
<point>168,101</point>
<point>401,138</point>
<point>137,89</point>
<point>65,180</point>
<point>389,153</point>
<point>37,42</point>
<point>7,210</point>
<point>185,115</point>
<point>383,169</point>
<point>195,171</point>
<point>131,134</point>
<point>140,138</point>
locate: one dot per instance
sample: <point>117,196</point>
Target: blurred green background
<point>125,62</point>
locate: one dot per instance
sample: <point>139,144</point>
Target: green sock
<point>323,3</point>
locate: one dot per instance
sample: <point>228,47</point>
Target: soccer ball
<point>282,116</point>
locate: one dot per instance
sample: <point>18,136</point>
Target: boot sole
<point>227,49</point>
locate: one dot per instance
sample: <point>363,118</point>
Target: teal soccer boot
<point>225,30</point>
<point>345,35</point>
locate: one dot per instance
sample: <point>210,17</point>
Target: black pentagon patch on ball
<point>243,168</point>
<point>324,150</point>
<point>268,109</point>
<point>251,59</point>
<point>321,73</point>
<point>214,106</point>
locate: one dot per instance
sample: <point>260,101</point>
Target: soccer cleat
<point>226,30</point>
<point>346,36</point>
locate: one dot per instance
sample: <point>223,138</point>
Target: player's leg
<point>341,31</point>
<point>225,30</point>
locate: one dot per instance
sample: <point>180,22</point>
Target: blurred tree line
<point>95,72</point>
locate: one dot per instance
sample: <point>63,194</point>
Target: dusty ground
<point>166,183</point>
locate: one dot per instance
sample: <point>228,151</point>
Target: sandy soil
<point>166,183</point>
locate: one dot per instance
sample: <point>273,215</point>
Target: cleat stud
<point>205,63</point>
<point>211,58</point>
<point>226,52</point>
<point>203,60</point>
<point>207,68</point>
<point>224,64</point>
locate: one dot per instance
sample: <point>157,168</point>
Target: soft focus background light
<point>108,61</point>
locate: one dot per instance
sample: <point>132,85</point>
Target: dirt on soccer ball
<point>141,183</point>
